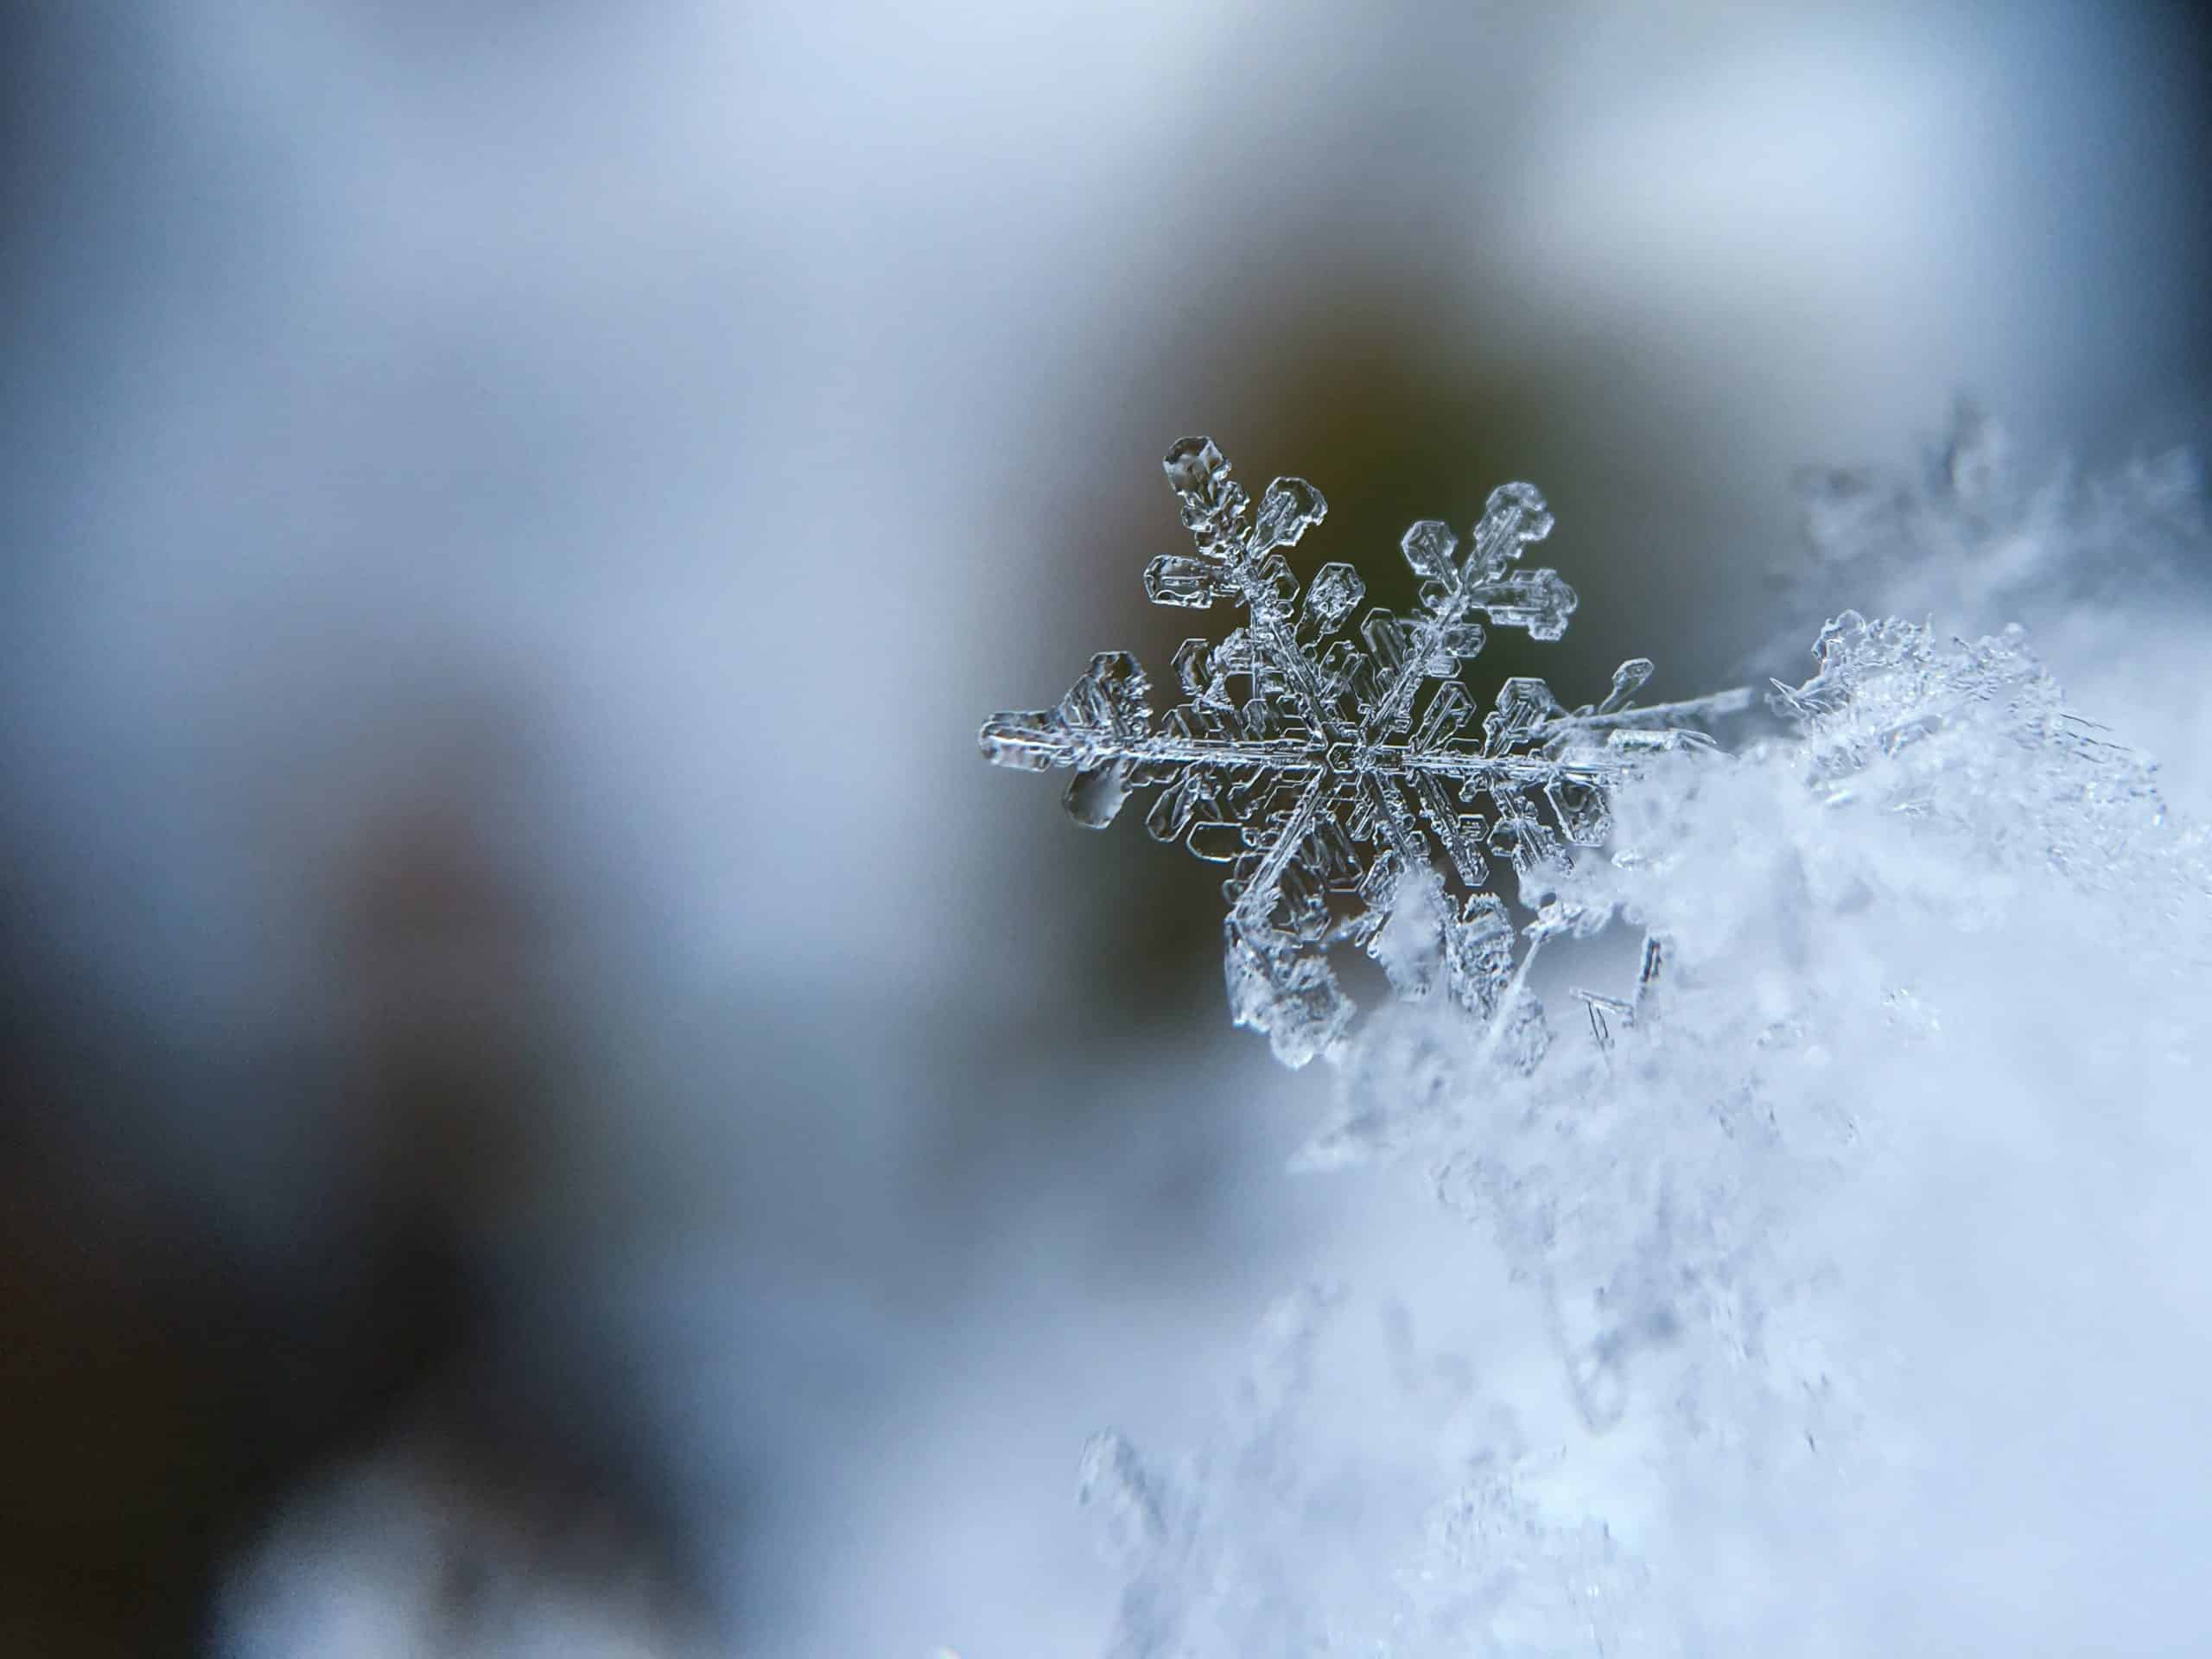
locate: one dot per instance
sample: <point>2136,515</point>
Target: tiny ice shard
<point>1324,771</point>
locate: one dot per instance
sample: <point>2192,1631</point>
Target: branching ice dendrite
<point>1323,771</point>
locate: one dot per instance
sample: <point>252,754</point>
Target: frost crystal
<point>1324,770</point>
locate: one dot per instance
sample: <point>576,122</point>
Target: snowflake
<point>1321,771</point>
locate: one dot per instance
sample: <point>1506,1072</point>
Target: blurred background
<point>553,1103</point>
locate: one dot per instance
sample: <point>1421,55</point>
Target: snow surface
<point>1839,1292</point>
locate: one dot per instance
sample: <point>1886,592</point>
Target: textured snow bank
<point>1844,1296</point>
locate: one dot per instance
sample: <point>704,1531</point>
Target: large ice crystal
<point>1329,772</point>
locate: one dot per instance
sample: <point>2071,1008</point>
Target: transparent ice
<point>1329,772</point>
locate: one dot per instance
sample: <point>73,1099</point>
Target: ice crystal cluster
<point>1331,774</point>
<point>1810,1334</point>
<point>1840,1294</point>
<point>2105,569</point>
